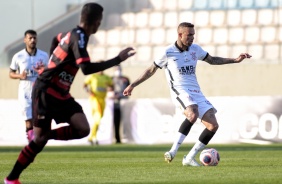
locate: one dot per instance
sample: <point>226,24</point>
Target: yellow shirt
<point>98,84</point>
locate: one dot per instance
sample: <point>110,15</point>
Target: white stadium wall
<point>12,126</point>
<point>241,119</point>
<point>156,121</point>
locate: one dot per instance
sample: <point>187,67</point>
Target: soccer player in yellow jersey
<point>97,85</point>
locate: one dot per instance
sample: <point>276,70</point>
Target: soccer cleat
<point>16,181</point>
<point>30,135</point>
<point>190,161</point>
<point>168,156</point>
<point>96,142</point>
<point>92,143</point>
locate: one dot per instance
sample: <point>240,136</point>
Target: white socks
<point>196,148</point>
<point>179,140</point>
<point>177,143</point>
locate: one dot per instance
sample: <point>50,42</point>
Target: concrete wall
<point>225,80</point>
<point>16,16</point>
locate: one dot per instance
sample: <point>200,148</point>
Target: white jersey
<point>181,67</point>
<point>23,61</point>
<point>180,70</point>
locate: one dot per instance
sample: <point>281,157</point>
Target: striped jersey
<point>68,51</point>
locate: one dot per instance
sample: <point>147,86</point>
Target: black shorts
<point>46,108</point>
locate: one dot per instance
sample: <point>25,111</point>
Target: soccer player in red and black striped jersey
<point>51,97</point>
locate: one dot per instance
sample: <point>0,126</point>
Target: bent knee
<point>192,113</point>
<point>84,132</point>
<point>40,140</point>
<point>193,119</point>
<point>213,127</point>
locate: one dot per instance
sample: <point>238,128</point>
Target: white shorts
<point>185,99</point>
<point>24,97</point>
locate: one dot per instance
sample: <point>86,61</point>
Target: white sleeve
<point>201,54</point>
<point>161,61</point>
<point>14,64</point>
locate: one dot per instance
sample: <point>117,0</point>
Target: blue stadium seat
<point>236,35</point>
<point>217,18</point>
<point>233,18</point>
<point>156,19</point>
<point>170,19</point>
<point>265,16</point>
<point>252,34</point>
<point>127,36</point>
<point>144,54</point>
<point>249,17</point>
<point>113,36</point>
<point>141,19</point>
<point>246,4</point>
<point>143,36</point>
<point>158,36</point>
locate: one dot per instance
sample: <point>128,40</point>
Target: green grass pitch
<point>239,164</point>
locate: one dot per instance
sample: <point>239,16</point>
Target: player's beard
<point>32,46</point>
<point>189,43</point>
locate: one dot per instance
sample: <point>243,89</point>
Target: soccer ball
<point>209,157</point>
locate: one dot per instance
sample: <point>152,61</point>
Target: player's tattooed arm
<point>146,75</point>
<point>221,61</point>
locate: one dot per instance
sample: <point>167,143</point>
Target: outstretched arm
<point>221,61</point>
<point>89,68</point>
<point>146,75</point>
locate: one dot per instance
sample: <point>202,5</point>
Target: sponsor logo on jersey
<point>186,70</point>
<point>101,89</point>
<point>172,53</point>
<point>194,90</point>
<point>39,62</point>
<point>81,41</point>
<point>193,55</point>
<point>66,77</point>
<point>30,72</point>
<point>208,102</point>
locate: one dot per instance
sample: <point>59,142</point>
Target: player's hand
<point>128,90</point>
<point>23,75</point>
<point>242,57</point>
<point>126,53</point>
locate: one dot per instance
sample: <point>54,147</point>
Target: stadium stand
<point>223,28</point>
<point>227,27</point>
<point>221,25</point>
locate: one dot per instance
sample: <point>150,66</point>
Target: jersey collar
<point>31,54</point>
<point>82,29</point>
<point>180,49</point>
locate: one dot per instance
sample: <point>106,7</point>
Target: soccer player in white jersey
<point>24,66</point>
<point>179,61</point>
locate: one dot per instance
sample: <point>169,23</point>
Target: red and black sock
<point>64,133</point>
<point>26,157</point>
